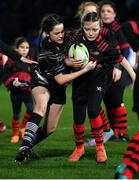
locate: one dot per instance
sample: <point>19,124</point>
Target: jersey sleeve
<point>7,76</point>
<point>122,40</point>
<point>131,36</point>
<point>5,49</point>
<point>111,56</point>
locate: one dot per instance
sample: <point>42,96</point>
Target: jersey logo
<point>41,78</point>
<point>99,88</point>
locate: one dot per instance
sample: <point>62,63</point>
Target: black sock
<point>31,129</point>
<point>108,130</point>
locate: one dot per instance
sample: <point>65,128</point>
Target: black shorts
<point>57,92</point>
<point>38,80</point>
<point>58,95</point>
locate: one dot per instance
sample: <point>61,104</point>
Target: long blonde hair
<point>84,4</point>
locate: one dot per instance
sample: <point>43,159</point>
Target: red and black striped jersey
<point>131,31</point>
<point>101,50</point>
<point>116,30</point>
<point>109,36</point>
<point>20,70</point>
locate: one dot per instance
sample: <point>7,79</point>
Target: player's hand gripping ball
<point>79,52</point>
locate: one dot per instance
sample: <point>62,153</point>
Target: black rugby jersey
<point>51,59</point>
<point>101,51</point>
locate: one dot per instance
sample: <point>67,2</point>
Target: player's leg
<point>27,99</point>
<point>79,115</point>
<point>116,111</point>
<point>16,101</point>
<point>79,101</point>
<point>50,123</point>
<point>101,82</point>
<point>130,161</point>
<point>107,134</point>
<point>41,97</point>
<point>96,126</point>
<point>95,95</point>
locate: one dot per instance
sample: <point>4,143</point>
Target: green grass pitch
<point>56,149</point>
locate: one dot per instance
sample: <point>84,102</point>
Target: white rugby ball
<point>79,51</point>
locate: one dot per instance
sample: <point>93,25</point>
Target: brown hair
<point>19,41</point>
<point>107,2</point>
<point>91,17</point>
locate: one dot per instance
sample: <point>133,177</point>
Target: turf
<point>55,151</point>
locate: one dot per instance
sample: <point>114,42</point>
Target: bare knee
<point>40,109</point>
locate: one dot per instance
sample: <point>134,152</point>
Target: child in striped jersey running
<point>106,56</point>
<point>84,8</point>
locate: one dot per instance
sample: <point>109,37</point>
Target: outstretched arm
<point>5,49</point>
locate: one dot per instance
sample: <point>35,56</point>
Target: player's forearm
<point>65,78</point>
<point>129,69</point>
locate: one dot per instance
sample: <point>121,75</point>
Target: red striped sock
<point>97,130</point>
<point>25,120</point>
<point>15,126</point>
<point>131,149</point>
<point>133,166</point>
<point>79,134</point>
<point>118,117</point>
<point>106,125</point>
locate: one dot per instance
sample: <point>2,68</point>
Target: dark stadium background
<point>22,17</point>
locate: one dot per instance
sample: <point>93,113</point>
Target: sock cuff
<point>35,118</point>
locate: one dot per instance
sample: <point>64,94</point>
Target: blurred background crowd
<point>22,17</point>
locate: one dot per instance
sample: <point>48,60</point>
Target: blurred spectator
<point>16,13</point>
